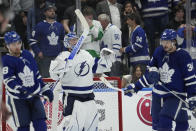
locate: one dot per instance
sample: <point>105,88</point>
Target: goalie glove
<point>192,103</point>
<point>109,56</point>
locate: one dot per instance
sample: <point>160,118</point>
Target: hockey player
<point>24,84</point>
<point>176,76</point>
<point>77,83</point>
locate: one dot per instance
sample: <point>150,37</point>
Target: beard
<point>15,52</point>
<point>51,17</point>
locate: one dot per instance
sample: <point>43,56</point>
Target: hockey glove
<point>129,90</point>
<point>152,75</point>
<point>48,95</point>
<point>22,91</point>
<point>192,103</point>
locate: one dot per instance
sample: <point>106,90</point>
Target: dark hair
<point>178,8</point>
<point>87,11</point>
<point>133,16</point>
<point>143,69</point>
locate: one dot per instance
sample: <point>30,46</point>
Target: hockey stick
<point>70,58</point>
<point>185,102</point>
<point>107,83</point>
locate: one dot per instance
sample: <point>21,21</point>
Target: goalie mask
<point>70,40</point>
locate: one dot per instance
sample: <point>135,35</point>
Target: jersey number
<point>5,70</point>
<point>190,67</point>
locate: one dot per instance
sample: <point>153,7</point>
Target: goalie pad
<point>108,57</point>
<point>84,117</point>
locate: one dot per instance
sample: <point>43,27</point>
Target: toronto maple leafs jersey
<point>21,72</point>
<point>47,38</point>
<point>176,73</point>
<point>138,47</point>
<point>154,8</point>
<point>79,77</point>
<point>112,40</point>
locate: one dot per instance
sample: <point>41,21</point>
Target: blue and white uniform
<point>182,43</point>
<point>138,47</point>
<point>176,74</point>
<point>47,38</point>
<point>22,72</point>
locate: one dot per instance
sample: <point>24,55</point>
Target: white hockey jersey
<point>112,40</point>
<point>78,78</point>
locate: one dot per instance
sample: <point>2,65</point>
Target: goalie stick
<point>107,83</point>
<point>70,58</point>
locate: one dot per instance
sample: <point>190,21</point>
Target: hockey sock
<point>165,124</point>
<point>182,126</point>
<point>40,125</point>
<point>26,128</point>
<point>155,124</point>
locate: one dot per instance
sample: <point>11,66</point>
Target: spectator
<point>35,15</point>
<point>91,43</point>
<point>156,18</point>
<point>112,40</point>
<point>112,9</point>
<point>138,47</point>
<point>47,40</point>
<point>69,18</point>
<point>138,71</point>
<point>179,18</point>
<point>61,6</point>
<point>128,8</point>
<point>20,24</point>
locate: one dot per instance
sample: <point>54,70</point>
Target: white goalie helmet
<point>69,38</point>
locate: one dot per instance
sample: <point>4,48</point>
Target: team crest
<point>82,69</point>
<point>53,39</point>
<point>166,73</point>
<point>27,77</point>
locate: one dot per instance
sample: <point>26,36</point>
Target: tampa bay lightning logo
<point>82,69</point>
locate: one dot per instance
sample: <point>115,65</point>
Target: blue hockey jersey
<point>21,72</point>
<point>47,38</point>
<point>154,8</point>
<point>176,73</point>
<point>138,47</point>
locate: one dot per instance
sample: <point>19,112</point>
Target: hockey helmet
<point>11,37</point>
<point>169,34</point>
<point>69,37</point>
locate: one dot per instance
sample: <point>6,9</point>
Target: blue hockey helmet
<point>169,34</point>
<point>69,37</point>
<point>11,37</point>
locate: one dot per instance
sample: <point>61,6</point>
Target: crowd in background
<point>130,28</point>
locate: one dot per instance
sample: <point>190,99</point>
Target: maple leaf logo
<point>166,73</point>
<point>53,39</point>
<point>27,77</point>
